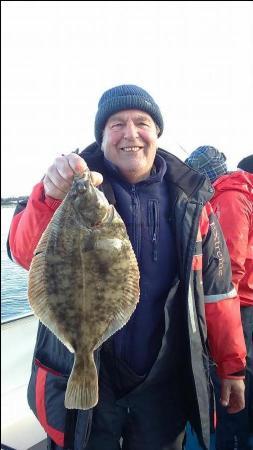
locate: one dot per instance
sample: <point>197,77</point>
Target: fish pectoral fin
<point>82,387</point>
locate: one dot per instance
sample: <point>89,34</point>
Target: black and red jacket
<point>209,300</point>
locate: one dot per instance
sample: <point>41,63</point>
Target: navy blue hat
<point>208,161</point>
<point>119,98</point>
<point>246,164</point>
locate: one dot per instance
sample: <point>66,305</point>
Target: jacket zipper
<point>136,228</point>
<point>153,217</point>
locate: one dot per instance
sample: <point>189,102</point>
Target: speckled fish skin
<point>84,281</point>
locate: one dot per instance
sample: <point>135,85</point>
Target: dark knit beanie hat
<point>208,161</point>
<point>246,164</point>
<point>119,98</point>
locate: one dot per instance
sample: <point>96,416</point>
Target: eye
<point>143,124</point>
<point>116,126</point>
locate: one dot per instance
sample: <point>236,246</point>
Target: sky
<point>194,58</point>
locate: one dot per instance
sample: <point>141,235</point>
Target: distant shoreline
<point>12,201</point>
<point>7,205</point>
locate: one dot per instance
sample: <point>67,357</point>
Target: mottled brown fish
<point>84,281</point>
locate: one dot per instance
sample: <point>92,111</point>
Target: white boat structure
<point>20,428</point>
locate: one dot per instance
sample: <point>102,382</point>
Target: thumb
<point>76,163</point>
<point>97,178</point>
<point>225,393</point>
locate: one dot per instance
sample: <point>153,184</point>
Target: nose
<point>130,131</point>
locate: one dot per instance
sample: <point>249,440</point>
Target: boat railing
<point>16,317</point>
<point>20,429</point>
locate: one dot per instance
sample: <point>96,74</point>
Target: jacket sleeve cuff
<point>52,203</point>
<point>234,369</point>
<point>230,377</point>
<point>240,375</point>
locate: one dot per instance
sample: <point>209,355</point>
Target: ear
<point>103,143</point>
<point>157,130</point>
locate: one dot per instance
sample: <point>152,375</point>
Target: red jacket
<point>233,205</point>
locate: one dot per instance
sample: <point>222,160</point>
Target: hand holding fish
<point>60,175</point>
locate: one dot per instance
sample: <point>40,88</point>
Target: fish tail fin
<point>82,387</point>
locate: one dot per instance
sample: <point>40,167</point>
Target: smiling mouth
<point>130,149</point>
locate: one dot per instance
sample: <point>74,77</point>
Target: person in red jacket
<point>233,205</point>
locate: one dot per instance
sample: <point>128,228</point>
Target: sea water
<point>14,278</point>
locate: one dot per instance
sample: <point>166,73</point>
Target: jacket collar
<point>195,186</point>
<point>157,172</point>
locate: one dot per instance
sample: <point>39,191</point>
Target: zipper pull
<point>154,239</point>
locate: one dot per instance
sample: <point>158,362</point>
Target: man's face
<point>130,143</point>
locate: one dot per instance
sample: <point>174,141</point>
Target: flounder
<point>83,281</point>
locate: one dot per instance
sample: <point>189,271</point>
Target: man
<point>153,373</point>
<point>233,205</point>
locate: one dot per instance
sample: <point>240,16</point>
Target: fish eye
<point>81,187</point>
<point>72,194</point>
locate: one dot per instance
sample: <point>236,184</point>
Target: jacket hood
<point>239,181</point>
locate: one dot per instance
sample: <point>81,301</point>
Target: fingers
<point>97,178</point>
<point>76,164</point>
<point>232,395</point>
<point>59,178</point>
<point>53,189</point>
<point>225,393</point>
<point>60,174</point>
<point>236,404</point>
